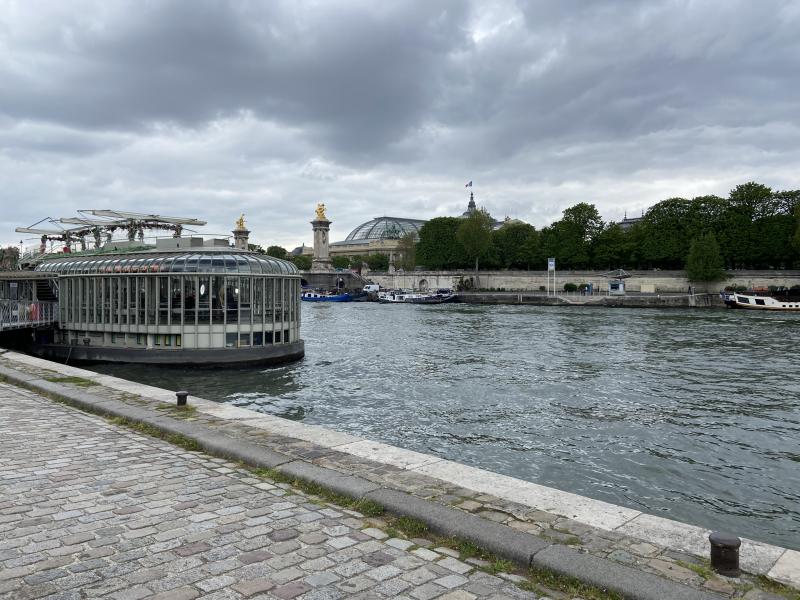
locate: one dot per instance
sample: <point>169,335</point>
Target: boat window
<point>191,263</point>
<point>230,264</point>
<point>760,302</point>
<point>742,300</point>
<point>178,263</point>
<point>204,264</point>
<point>218,264</point>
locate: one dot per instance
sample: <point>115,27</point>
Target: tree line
<point>753,228</point>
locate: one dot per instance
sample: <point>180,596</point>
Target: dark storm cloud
<point>352,76</point>
<point>214,107</point>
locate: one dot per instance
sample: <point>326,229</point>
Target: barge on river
<point>754,301</point>
<point>181,300</point>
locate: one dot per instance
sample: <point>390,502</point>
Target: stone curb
<point>502,540</point>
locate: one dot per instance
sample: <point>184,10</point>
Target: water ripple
<point>694,415</point>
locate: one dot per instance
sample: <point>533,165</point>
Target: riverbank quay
<point>562,299</point>
<point>651,282</point>
<point>599,542</point>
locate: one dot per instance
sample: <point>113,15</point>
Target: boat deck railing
<point>22,314</point>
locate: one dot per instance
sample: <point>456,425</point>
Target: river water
<point>690,414</point>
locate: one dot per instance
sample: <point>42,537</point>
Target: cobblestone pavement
<point>92,510</point>
<point>682,567</point>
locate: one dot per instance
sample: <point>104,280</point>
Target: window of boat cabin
<point>743,300</point>
<point>759,301</point>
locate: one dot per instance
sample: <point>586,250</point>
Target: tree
<point>571,239</point>
<point>377,262</point>
<point>277,252</point>
<point>408,252</point>
<point>704,263</point>
<point>340,262</point>
<point>438,246</point>
<point>475,235</point>
<point>258,249</point>
<point>509,243</point>
<point>9,257</point>
<point>302,262</point>
<point>611,248</point>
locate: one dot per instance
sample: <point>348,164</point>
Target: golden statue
<point>321,212</point>
<point>240,222</point>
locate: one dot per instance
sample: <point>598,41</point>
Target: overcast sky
<point>210,108</point>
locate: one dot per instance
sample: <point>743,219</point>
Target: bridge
<point>28,299</point>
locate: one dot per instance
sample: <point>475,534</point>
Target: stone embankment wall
<point>648,301</point>
<point>640,281</point>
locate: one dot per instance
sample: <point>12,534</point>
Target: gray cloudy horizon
<point>213,108</point>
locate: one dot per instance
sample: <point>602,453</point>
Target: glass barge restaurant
<point>184,301</point>
<point>202,306</point>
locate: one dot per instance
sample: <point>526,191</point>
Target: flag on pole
<point>469,184</point>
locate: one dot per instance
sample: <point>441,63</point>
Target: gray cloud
<point>211,108</point>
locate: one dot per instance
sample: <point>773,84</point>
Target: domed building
<point>381,235</point>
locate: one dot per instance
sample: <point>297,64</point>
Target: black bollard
<point>182,397</point>
<point>725,554</point>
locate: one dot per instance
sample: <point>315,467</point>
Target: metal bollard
<point>182,395</point>
<point>725,554</point>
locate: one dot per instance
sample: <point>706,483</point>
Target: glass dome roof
<point>385,228</point>
<point>183,262</point>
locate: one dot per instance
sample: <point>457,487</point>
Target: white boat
<point>755,302</point>
<point>415,297</point>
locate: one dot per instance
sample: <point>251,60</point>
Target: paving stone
<point>321,579</point>
<point>451,581</point>
<point>454,565</point>
<point>254,557</point>
<point>251,588</point>
<point>290,590</point>
<point>399,543</point>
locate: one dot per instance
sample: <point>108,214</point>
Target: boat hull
<point>753,302</point>
<point>320,298</point>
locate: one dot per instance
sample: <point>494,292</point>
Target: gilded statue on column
<point>321,212</point>
<point>240,222</point>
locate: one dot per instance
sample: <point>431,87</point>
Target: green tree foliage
<point>408,252</point>
<point>9,257</point>
<point>277,252</point>
<point>704,263</point>
<point>571,240</point>
<point>258,249</point>
<point>755,228</point>
<point>340,262</point>
<point>515,246</point>
<point>439,247</point>
<point>377,262</point>
<point>612,248</point>
<point>302,262</point>
<point>475,235</point>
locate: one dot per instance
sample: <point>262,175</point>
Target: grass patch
<point>774,587</point>
<point>704,571</point>
<point>366,507</point>
<point>410,526</point>
<point>566,585</point>
<point>187,410</point>
<point>500,565</point>
<point>173,438</point>
<point>79,381</point>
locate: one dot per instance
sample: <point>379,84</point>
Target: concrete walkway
<point>89,509</point>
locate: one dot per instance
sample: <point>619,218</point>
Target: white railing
<point>17,314</point>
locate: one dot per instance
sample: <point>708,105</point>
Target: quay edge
<point>630,301</point>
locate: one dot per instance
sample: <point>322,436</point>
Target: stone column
<point>241,234</point>
<point>321,260</point>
